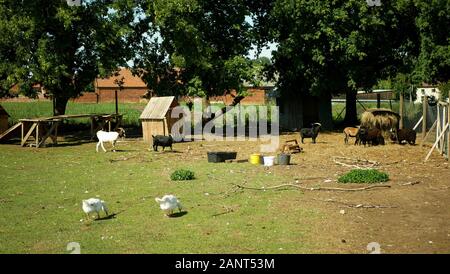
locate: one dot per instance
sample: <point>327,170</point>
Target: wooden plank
<point>402,102</point>
<point>438,126</point>
<point>30,131</point>
<point>11,129</point>
<point>426,136</point>
<point>45,137</point>
<point>424,116</point>
<point>37,133</point>
<point>435,143</point>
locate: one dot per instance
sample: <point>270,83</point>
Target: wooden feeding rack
<point>47,127</point>
<point>291,146</point>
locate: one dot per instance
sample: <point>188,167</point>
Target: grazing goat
<point>406,134</point>
<point>371,136</point>
<point>161,140</point>
<point>104,136</point>
<point>311,132</point>
<point>350,132</point>
<point>168,203</point>
<point>94,205</point>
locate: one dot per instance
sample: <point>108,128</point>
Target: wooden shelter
<point>156,118</point>
<point>3,120</point>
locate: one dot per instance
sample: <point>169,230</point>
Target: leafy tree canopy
<point>63,48</point>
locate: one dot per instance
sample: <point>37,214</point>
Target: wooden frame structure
<point>442,125</point>
<point>47,127</point>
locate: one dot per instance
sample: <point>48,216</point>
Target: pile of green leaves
<point>361,176</point>
<point>182,175</point>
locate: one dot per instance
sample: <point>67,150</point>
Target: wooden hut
<point>156,118</point>
<point>3,120</point>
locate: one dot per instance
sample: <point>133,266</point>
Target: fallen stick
<point>313,188</point>
<point>228,210</point>
<point>410,183</point>
<point>356,205</point>
<point>355,163</point>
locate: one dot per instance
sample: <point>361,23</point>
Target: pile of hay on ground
<point>381,118</point>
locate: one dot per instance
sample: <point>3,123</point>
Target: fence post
<point>424,116</point>
<point>401,110</point>
<point>378,100</point>
<point>448,130</point>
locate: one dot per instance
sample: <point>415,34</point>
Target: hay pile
<point>381,118</point>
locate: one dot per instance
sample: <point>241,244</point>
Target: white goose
<point>94,205</point>
<point>168,203</point>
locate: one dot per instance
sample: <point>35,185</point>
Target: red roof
<point>130,81</point>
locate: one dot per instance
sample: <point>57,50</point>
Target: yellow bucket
<point>255,159</point>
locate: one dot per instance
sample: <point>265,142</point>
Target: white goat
<point>168,203</point>
<point>94,205</point>
<point>104,136</point>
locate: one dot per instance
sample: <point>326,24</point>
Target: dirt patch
<point>412,216</point>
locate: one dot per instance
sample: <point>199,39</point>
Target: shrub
<point>368,176</point>
<point>182,175</point>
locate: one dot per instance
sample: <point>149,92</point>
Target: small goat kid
<point>104,136</point>
<point>94,205</point>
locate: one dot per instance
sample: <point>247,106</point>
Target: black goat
<point>311,132</point>
<point>370,136</point>
<point>161,140</point>
<point>361,136</point>
<point>406,134</point>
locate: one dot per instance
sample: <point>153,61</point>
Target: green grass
<point>41,192</point>
<point>364,176</point>
<point>21,110</point>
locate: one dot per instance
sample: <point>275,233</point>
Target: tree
<point>200,50</point>
<point>329,47</point>
<point>63,48</point>
<point>433,25</point>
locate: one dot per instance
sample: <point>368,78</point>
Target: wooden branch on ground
<point>355,205</point>
<point>227,210</point>
<point>410,183</point>
<point>312,188</point>
<point>355,163</point>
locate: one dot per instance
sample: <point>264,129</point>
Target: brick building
<point>133,90</point>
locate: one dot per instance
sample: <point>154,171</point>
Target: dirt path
<point>413,216</point>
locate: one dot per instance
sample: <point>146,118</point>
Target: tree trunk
<point>60,105</point>
<point>351,116</point>
<point>325,112</point>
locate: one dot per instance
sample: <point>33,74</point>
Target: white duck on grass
<point>168,203</point>
<point>94,205</point>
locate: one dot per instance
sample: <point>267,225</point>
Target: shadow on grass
<point>178,214</point>
<point>123,150</point>
<point>109,217</point>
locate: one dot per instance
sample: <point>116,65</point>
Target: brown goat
<point>350,132</point>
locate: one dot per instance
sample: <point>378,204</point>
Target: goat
<point>371,136</point>
<point>161,140</point>
<point>350,132</point>
<point>94,205</point>
<point>104,136</point>
<point>311,132</point>
<point>406,134</point>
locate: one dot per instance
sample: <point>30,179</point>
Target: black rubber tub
<point>221,156</point>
